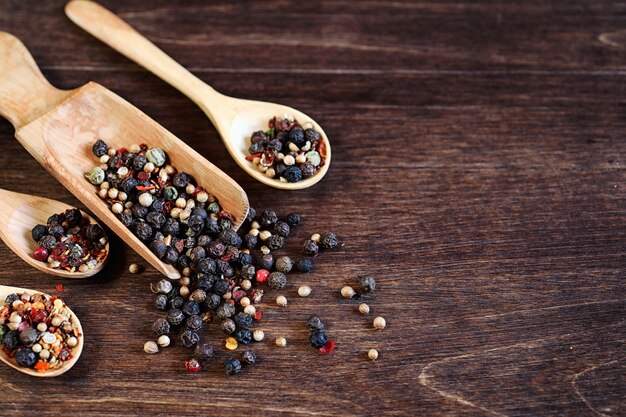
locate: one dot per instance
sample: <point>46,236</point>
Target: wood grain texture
<point>478,172</point>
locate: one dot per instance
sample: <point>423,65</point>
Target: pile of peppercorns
<point>37,330</point>
<point>287,151</point>
<point>69,241</point>
<point>230,288</point>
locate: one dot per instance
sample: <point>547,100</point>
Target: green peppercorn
<point>170,193</point>
<point>156,156</point>
<point>95,175</point>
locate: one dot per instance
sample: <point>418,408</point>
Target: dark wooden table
<point>478,172</point>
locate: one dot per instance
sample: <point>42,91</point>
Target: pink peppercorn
<point>41,254</point>
<point>261,275</point>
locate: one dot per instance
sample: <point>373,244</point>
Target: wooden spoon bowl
<point>19,213</point>
<point>235,119</point>
<point>66,366</point>
<point>58,128</point>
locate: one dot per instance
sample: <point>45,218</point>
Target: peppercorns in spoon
<point>52,236</point>
<point>304,147</point>
<point>39,334</point>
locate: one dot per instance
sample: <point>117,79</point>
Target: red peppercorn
<point>261,275</point>
<point>192,365</point>
<point>327,349</point>
<point>41,254</point>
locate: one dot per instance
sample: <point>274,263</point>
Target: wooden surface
<point>478,172</point>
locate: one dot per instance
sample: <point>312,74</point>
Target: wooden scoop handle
<point>119,35</point>
<point>24,92</point>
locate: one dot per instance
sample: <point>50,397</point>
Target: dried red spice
<point>327,349</point>
<point>258,314</point>
<point>59,288</point>
<point>192,365</point>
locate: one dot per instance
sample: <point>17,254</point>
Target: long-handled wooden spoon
<point>19,213</point>
<point>235,119</point>
<point>66,366</point>
<point>58,128</point>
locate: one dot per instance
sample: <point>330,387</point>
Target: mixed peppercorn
<point>38,331</point>
<point>69,241</point>
<point>287,151</point>
<point>228,276</point>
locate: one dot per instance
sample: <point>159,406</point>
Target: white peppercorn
<point>347,292</point>
<point>281,301</point>
<point>304,291</point>
<point>379,323</point>
<point>150,348</point>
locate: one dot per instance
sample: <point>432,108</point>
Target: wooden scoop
<point>235,119</point>
<point>66,366</point>
<point>19,213</point>
<point>58,128</point>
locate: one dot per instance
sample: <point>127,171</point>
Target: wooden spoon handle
<point>119,35</point>
<point>25,94</point>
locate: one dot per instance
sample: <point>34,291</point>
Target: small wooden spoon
<point>58,128</point>
<point>235,119</point>
<point>19,213</point>
<point>66,366</point>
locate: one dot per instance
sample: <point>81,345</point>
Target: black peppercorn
<point>175,317</point>
<point>310,248</point>
<point>196,223</point>
<point>217,249</point>
<point>203,352</point>
<point>205,281</point>
<point>264,261</point>
<point>250,241</point>
<point>139,162</point>
<point>256,148</point>
<point>281,167</point>
<point>211,227</point>
<point>296,135</point>
<point>292,174</point>
<point>139,211</point>
<point>55,219</point>
<point>329,240</point>
<point>293,219</point>
<point>171,226</point>
<point>243,336</point>
<point>229,237</point>
<point>228,326</point>
<point>72,217</point>
<point>308,169</point>
<point>176,301</point>
<point>277,280</point>
<point>203,240</point>
<point>189,338</point>
<point>268,218</point>
<point>312,135</point>
<point>157,206</point>
<point>205,266</point>
<point>56,230</point>
<point>194,322</point>
<point>162,326</point>
<point>275,242</point>
<point>11,339</point>
<point>143,231</point>
<point>99,148</point>
<point>315,323</point>
<point>181,179</point>
<point>248,357</point>
<point>305,265</point>
<point>155,219</point>
<point>225,310</point>
<point>47,242</point>
<point>232,366</point>
<point>197,253</point>
<point>38,232</point>
<point>171,256</point>
<point>224,224</point>
<point>245,259</point>
<point>243,320</point>
<point>161,302</point>
<point>93,232</point>
<point>26,358</point>
<point>213,301</point>
<point>318,339</point>
<point>158,248</point>
<point>282,229</point>
<point>183,262</point>
<point>191,308</point>
<point>368,284</point>
<point>248,272</point>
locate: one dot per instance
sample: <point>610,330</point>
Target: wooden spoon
<point>66,366</point>
<point>58,128</point>
<point>19,213</point>
<point>235,119</point>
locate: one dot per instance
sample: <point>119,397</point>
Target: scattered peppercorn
<point>348,292</point>
<point>305,265</point>
<point>372,354</point>
<point>232,366</point>
<point>248,357</point>
<point>315,323</point>
<point>318,339</point>
<point>380,323</point>
<point>368,284</point>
